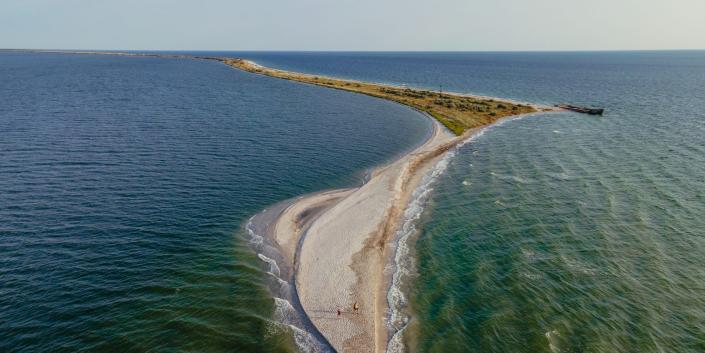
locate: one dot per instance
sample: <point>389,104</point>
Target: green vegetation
<point>458,113</point>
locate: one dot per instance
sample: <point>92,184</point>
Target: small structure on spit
<point>584,110</point>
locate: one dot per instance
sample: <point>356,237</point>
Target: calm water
<point>124,184</point>
<point>561,232</point>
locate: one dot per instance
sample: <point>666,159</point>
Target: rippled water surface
<point>560,232</point>
<point>124,184</point>
<point>568,233</point>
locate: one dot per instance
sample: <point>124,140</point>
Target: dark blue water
<point>124,183</point>
<point>558,232</point>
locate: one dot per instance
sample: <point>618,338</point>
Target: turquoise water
<point>559,232</point>
<point>567,233</point>
<point>125,184</point>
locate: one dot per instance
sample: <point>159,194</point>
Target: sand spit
<point>342,239</point>
<point>334,246</point>
<point>346,240</point>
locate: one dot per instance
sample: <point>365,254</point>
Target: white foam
<point>560,176</point>
<point>284,312</point>
<point>514,178</point>
<point>577,266</point>
<point>552,337</point>
<point>273,267</point>
<point>255,239</point>
<point>403,263</point>
<point>287,317</point>
<point>306,342</point>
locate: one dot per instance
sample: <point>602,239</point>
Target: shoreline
<point>369,239</point>
<point>359,275</point>
<point>278,233</point>
<point>373,253</point>
<point>256,66</point>
<point>458,112</point>
<point>328,251</point>
<point>400,257</point>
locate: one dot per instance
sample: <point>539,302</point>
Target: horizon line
<point>361,51</point>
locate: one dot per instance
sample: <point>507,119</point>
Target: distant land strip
<point>458,112</point>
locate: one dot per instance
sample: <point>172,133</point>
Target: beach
<point>344,238</point>
<point>340,244</point>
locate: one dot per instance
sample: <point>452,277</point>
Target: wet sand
<point>337,242</point>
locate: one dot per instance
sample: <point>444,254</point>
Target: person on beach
<point>356,308</point>
<point>338,312</point>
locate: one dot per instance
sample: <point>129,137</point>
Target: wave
<point>403,264</point>
<point>552,337</point>
<point>255,239</point>
<point>273,267</point>
<point>513,178</point>
<point>288,318</point>
<point>285,318</point>
<point>402,261</point>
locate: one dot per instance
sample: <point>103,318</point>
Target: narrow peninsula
<point>338,243</point>
<point>457,112</point>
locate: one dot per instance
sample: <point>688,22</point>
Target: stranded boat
<point>584,110</point>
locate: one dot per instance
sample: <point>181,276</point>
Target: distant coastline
<point>337,243</point>
<point>457,112</point>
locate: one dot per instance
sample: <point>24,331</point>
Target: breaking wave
<point>403,263</point>
<point>286,319</point>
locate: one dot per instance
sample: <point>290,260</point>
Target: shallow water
<point>567,233</point>
<point>559,232</point>
<point>125,184</point>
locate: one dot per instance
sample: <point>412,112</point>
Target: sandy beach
<point>336,241</point>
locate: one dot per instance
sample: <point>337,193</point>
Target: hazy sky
<point>353,24</point>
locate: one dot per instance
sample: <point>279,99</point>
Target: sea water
<point>126,184</point>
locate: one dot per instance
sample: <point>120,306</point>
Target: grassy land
<point>458,113</point>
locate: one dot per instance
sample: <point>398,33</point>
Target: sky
<point>365,25</point>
